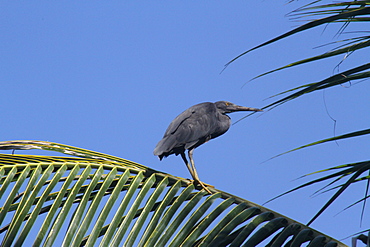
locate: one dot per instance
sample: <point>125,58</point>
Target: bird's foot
<point>198,182</point>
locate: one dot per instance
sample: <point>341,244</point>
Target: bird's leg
<point>192,170</point>
<point>183,156</point>
<point>195,174</point>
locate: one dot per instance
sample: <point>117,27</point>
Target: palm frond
<point>335,138</point>
<point>107,201</point>
<point>316,14</point>
<point>353,46</point>
<point>339,15</point>
<point>353,171</point>
<point>357,73</point>
<point>348,12</point>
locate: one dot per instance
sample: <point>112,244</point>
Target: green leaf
<point>109,237</point>
<point>59,221</point>
<point>335,17</point>
<point>170,212</point>
<point>90,202</point>
<point>265,231</point>
<point>170,195</point>
<point>24,207</point>
<point>145,212</point>
<point>54,208</point>
<point>347,49</point>
<point>107,208</point>
<point>91,211</point>
<point>194,218</point>
<point>205,222</point>
<point>335,138</point>
<point>36,210</point>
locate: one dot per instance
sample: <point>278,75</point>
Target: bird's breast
<point>221,126</point>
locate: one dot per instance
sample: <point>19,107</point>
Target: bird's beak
<point>243,108</point>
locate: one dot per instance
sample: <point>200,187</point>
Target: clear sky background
<point>111,75</point>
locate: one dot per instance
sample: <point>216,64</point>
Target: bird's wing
<point>175,124</point>
<point>194,116</point>
<point>192,125</point>
<point>187,129</point>
<point>166,145</point>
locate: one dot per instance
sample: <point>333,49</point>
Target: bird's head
<point>228,107</point>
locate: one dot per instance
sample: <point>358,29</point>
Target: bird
<point>194,127</point>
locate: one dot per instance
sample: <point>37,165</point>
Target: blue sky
<point>110,77</point>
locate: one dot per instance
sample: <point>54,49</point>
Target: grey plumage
<point>195,126</point>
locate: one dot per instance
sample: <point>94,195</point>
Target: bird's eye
<point>227,103</point>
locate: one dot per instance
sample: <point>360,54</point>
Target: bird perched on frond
<point>195,126</point>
